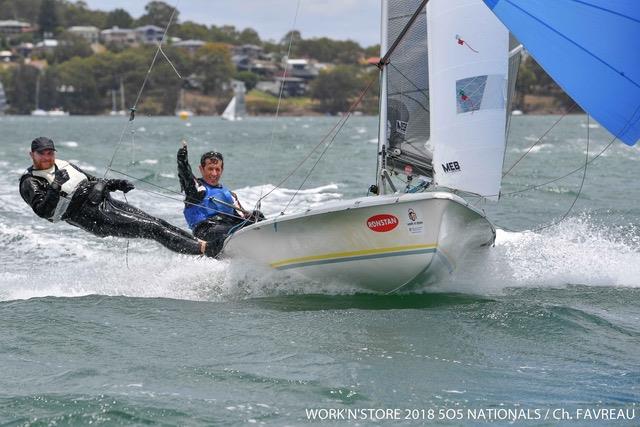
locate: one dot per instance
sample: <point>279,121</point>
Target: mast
<point>122,107</point>
<point>113,101</point>
<point>38,92</point>
<point>382,125</point>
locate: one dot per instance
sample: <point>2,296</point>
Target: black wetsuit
<point>93,210</point>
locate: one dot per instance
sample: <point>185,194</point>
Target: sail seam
<point>620,72</point>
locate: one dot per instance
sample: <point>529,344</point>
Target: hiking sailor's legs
<point>116,218</point>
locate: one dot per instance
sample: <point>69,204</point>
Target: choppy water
<point>94,333</point>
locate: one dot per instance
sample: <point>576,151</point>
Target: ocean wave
<point>577,251</point>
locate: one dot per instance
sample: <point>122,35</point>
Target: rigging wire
<point>181,200</point>
<point>335,134</point>
<point>584,175</point>
<point>338,124</point>
<point>273,128</point>
<point>144,83</point>
<point>540,139</point>
<point>384,61</point>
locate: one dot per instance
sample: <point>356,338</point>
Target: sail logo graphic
<point>382,223</point>
<point>401,127</point>
<point>451,167</point>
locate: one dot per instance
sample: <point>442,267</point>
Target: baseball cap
<point>42,143</point>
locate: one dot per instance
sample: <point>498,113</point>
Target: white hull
<point>338,243</point>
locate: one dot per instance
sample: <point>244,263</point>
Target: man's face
<point>44,159</point>
<point>211,171</point>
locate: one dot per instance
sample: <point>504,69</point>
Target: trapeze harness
<point>210,207</point>
<point>68,189</point>
<point>214,218</point>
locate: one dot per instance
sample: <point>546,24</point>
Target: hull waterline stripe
<point>353,256</point>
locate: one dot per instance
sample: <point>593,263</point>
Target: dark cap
<point>42,143</point>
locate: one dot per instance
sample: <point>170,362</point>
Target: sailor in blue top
<point>212,211</point>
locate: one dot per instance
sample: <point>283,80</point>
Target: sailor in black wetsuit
<point>57,190</point>
<point>211,210</point>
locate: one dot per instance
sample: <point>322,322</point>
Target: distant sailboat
<point>114,96</point>
<point>181,111</point>
<point>38,111</point>
<point>3,100</point>
<point>236,108</point>
<point>56,112</point>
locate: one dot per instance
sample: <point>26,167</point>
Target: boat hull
<point>379,244</point>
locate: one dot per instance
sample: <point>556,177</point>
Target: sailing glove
<point>120,184</point>
<point>182,154</point>
<point>61,176</point>
<point>98,193</point>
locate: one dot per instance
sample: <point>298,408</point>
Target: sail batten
<point>587,48</point>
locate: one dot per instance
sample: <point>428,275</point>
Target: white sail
<point>235,109</point>
<point>230,112</point>
<point>469,61</point>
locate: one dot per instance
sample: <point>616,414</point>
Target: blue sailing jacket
<point>195,214</point>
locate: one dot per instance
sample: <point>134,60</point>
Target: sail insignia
<point>468,70</point>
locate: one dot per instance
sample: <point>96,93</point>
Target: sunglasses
<point>211,155</point>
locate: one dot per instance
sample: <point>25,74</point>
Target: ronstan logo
<point>451,167</point>
<point>382,223</point>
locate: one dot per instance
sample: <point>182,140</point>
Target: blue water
<point>114,332</point>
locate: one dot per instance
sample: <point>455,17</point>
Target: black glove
<point>120,184</point>
<point>61,176</point>
<point>98,193</point>
<point>256,216</point>
<point>182,154</point>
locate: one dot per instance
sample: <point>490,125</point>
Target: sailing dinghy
<point>444,114</point>
<point>236,108</point>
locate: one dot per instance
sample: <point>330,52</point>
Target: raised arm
<point>194,192</point>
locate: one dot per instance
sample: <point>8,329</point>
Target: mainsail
<point>407,91</point>
<point>469,62</point>
<point>587,46</point>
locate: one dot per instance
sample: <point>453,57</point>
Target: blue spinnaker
<point>591,48</point>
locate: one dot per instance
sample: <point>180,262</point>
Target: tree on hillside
<point>224,34</point>
<point>191,31</point>
<point>335,88</point>
<point>119,18</point>
<point>78,13</point>
<point>293,37</point>
<point>69,46</point>
<point>214,66</point>
<point>78,72</point>
<point>158,13</point>
<point>249,36</point>
<point>250,79</point>
<point>21,89</point>
<point>48,18</point>
<point>23,10</point>
<point>372,51</point>
<point>324,49</point>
